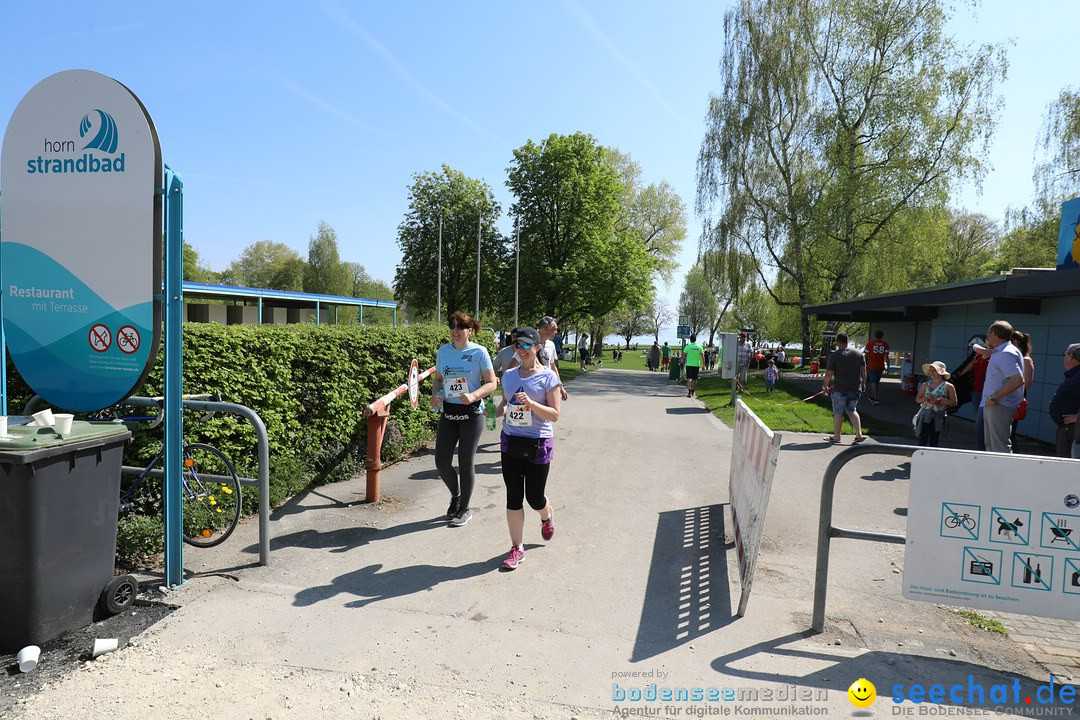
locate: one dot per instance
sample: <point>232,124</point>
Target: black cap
<point>528,334</point>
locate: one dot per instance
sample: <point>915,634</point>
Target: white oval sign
<point>80,253</point>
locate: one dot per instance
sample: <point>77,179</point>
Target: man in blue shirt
<point>1004,387</point>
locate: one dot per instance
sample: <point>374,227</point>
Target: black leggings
<point>465,436</point>
<point>524,480</point>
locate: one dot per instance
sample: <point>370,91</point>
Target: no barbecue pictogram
<point>100,338</point>
<point>127,339</point>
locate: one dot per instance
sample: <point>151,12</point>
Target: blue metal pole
<point>174,372</point>
<point>260,310</point>
<point>318,313</point>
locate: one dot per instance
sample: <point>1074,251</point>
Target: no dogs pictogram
<point>127,339</point>
<point>100,338</point>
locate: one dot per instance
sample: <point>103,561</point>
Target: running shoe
<point>451,511</point>
<point>461,517</point>
<point>515,558</point>
<point>547,527</point>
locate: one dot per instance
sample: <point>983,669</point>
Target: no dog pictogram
<point>100,338</point>
<point>127,339</point>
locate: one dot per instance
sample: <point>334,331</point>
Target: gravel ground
<point>69,653</point>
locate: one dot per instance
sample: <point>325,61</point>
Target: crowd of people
<point>997,376</point>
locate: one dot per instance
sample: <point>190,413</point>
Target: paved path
<point>383,611</point>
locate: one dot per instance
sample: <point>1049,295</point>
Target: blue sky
<point>279,115</point>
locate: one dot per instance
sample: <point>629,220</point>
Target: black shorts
<point>691,372</point>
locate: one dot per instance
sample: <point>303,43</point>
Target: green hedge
<point>309,383</point>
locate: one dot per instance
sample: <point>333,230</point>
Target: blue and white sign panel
<point>1069,235</point>
<point>80,250</point>
<point>994,532</point>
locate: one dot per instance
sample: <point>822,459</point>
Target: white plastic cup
<point>44,418</point>
<point>3,425</point>
<point>63,422</point>
<point>103,645</point>
<point>28,658</point>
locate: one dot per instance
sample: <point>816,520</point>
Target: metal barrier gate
<point>826,530</point>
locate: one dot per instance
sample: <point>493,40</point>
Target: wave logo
<point>107,138</point>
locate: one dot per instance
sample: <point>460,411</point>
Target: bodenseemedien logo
<point>57,157</point>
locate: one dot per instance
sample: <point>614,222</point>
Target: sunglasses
<point>460,326</point>
<point>522,345</point>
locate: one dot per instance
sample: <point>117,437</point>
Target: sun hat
<point>938,366</point>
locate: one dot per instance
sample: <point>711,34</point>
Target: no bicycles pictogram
<point>127,339</point>
<point>100,338</point>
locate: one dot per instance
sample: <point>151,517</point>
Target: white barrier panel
<point>753,462</point>
<point>994,532</point>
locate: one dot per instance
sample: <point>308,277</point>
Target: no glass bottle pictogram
<point>128,340</point>
<point>100,338</point>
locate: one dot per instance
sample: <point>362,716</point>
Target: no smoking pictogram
<point>127,339</point>
<point>100,338</point>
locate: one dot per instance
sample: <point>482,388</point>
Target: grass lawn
<point>780,409</point>
<point>631,359</point>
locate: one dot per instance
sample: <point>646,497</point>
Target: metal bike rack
<point>826,530</point>
<point>262,447</point>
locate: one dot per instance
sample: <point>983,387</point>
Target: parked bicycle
<point>210,495</point>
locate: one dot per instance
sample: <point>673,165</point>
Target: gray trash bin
<point>59,498</point>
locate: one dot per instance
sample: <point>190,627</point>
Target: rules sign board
<point>80,253</point>
<point>994,532</point>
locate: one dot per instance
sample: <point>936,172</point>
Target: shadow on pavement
<point>345,539</point>
<point>900,472</point>
<point>687,411</point>
<point>838,671</point>
<point>687,595</point>
<point>373,586</point>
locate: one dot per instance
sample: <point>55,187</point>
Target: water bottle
<point>489,411</point>
<point>441,400</point>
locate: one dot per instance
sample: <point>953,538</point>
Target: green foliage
<point>308,383</point>
<point>324,273</point>
<point>568,196</point>
<point>194,269</point>
<point>835,116</point>
<point>982,622</point>
<point>467,208</point>
<point>266,264</point>
<point>654,215</point>
<point>137,538</point>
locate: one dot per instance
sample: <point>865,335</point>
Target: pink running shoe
<point>547,527</point>
<point>515,558</point>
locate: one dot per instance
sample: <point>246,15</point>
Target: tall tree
<point>659,315</point>
<point>697,301</point>
<point>267,264</point>
<point>655,215</point>
<point>467,207</point>
<point>1057,172</point>
<point>325,273</point>
<point>834,116</point>
<point>567,197</point>
<point>630,321</point>
<point>194,270</point>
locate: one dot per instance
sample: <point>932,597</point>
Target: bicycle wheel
<point>211,496</point>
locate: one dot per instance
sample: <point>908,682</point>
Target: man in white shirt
<point>548,356</point>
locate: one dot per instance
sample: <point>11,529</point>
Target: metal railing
<point>262,449</point>
<point>826,530</point>
<point>377,414</point>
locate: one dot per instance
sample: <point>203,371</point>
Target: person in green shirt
<point>665,352</point>
<point>692,362</point>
